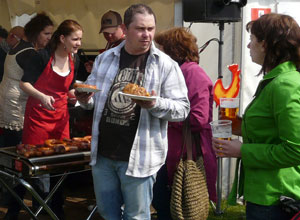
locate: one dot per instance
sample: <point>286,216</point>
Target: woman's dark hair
<point>137,9</point>
<point>66,28</point>
<point>281,36</point>
<point>36,25</point>
<point>179,44</point>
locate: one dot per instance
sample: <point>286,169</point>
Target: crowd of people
<point>136,144</point>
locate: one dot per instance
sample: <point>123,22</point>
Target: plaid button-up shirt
<point>162,75</point>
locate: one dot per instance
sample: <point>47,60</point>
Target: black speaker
<point>212,10</point>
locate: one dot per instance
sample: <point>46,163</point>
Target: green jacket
<point>271,140</point>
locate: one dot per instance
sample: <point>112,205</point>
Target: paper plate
<point>137,97</point>
<point>83,89</point>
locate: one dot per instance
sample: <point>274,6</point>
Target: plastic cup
<point>222,130</point>
<point>229,109</point>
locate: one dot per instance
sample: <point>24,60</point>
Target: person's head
<point>139,28</point>
<point>67,36</point>
<point>39,30</point>
<point>274,39</point>
<point>179,44</point>
<point>14,36</point>
<point>111,28</point>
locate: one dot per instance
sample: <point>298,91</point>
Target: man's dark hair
<point>137,9</point>
<point>3,32</point>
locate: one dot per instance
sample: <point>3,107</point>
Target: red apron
<point>41,124</point>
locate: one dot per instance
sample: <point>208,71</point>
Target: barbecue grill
<point>19,169</point>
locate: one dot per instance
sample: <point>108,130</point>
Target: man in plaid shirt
<point>129,137</point>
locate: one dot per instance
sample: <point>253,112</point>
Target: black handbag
<point>289,205</point>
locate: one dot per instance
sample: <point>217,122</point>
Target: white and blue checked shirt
<point>162,75</point>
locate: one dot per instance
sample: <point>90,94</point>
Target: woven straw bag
<point>189,196</point>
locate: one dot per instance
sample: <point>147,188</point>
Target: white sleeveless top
<point>12,98</point>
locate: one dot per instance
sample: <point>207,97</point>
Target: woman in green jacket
<point>270,152</point>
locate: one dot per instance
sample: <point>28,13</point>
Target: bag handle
<point>197,141</point>
<point>188,139</point>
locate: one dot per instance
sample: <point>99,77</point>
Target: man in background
<point>112,31</point>
<point>111,28</point>
<point>8,41</point>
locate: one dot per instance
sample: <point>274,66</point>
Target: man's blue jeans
<point>261,212</point>
<point>113,189</point>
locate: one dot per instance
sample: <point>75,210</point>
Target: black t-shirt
<point>38,63</point>
<point>120,115</point>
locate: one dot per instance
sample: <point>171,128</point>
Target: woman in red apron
<point>41,123</point>
<point>48,86</point>
<point>46,114</point>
